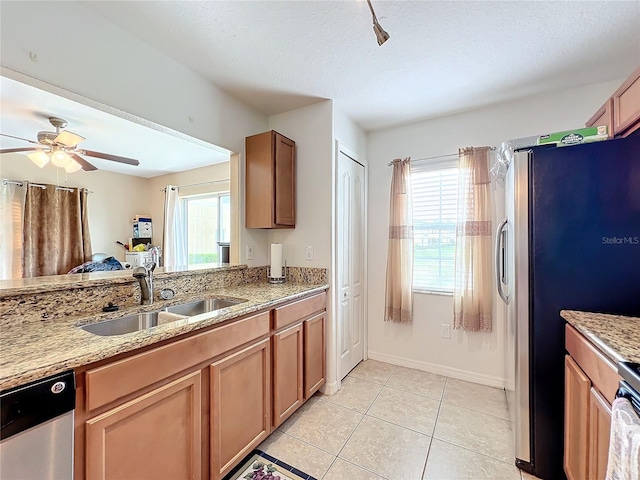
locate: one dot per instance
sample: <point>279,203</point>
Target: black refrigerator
<point>570,241</point>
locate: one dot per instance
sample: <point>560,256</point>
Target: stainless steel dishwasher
<point>36,434</point>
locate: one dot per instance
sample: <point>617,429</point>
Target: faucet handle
<point>150,266</point>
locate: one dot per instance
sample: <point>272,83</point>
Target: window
<point>208,219</point>
<point>435,191</point>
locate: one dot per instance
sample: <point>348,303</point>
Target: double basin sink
<point>143,321</point>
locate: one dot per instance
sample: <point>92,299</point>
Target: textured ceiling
<point>442,57</point>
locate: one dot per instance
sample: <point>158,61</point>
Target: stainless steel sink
<point>202,306</point>
<point>143,321</point>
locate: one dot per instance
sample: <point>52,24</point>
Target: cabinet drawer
<point>600,370</point>
<point>296,311</point>
<point>115,380</point>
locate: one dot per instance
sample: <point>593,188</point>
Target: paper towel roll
<point>276,260</point>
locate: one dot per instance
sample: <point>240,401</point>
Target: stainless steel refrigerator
<point>570,240</point>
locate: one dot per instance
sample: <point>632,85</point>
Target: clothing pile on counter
<point>109,263</point>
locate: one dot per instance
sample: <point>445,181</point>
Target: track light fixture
<point>381,35</point>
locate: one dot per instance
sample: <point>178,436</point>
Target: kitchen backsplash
<point>56,301</point>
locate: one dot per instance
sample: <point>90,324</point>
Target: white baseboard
<point>489,380</point>
<point>329,388</point>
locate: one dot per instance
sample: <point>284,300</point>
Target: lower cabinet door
<point>576,420</point>
<point>157,435</point>
<point>288,392</point>
<point>240,405</point>
<point>314,354</point>
<point>599,431</point>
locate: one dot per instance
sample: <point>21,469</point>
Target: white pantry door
<point>350,254</point>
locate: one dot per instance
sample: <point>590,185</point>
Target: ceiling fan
<point>61,148</point>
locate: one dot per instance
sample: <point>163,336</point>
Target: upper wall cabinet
<point>621,112</point>
<point>270,181</point>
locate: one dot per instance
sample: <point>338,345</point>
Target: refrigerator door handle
<point>499,259</point>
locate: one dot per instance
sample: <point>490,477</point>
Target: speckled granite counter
<point>35,349</point>
<point>617,336</point>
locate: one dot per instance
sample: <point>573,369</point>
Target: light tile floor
<point>396,423</point>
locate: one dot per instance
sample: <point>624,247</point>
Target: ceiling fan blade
<point>69,139</point>
<point>16,150</point>
<point>86,166</point>
<point>19,138</point>
<point>113,158</point>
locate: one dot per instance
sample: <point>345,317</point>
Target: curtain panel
<point>11,220</point>
<point>472,293</point>
<point>174,234</point>
<point>56,234</point>
<point>399,280</point>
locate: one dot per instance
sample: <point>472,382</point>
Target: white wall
<point>310,127</point>
<point>315,129</point>
<point>93,58</point>
<point>348,133</point>
<point>112,203</point>
<point>474,356</point>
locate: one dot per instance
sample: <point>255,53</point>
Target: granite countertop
<point>37,349</point>
<point>617,336</point>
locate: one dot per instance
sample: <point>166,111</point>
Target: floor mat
<point>262,466</point>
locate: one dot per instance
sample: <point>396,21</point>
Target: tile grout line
<point>331,465</point>
<point>361,419</point>
<point>435,424</point>
<point>479,453</point>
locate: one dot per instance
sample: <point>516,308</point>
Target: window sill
<point>432,292</point>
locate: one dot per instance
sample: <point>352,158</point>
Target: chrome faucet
<point>144,274</point>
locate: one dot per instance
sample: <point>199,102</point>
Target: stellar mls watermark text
<point>620,240</point>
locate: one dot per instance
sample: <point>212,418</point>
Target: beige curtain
<point>399,291</point>
<point>473,266</point>
<point>56,230</point>
<point>11,212</point>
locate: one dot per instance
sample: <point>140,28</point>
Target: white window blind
<point>434,186</point>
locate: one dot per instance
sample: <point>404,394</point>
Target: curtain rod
<point>39,185</point>
<point>433,158</point>
<point>174,187</point>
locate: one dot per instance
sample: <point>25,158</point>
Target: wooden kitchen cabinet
<point>576,420</point>
<point>240,405</point>
<point>621,112</point>
<point>599,433</point>
<point>288,374</point>
<point>604,116</point>
<point>270,193</point>
<point>314,354</point>
<point>195,406</point>
<point>591,381</point>
<point>156,435</point>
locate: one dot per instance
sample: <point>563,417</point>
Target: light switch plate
<point>249,254</point>
<point>308,252</point>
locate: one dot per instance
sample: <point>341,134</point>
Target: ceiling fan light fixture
<point>61,159</point>
<point>40,158</point>
<point>72,167</point>
<point>69,139</point>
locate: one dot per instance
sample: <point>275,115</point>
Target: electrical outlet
<point>446,330</point>
<point>308,252</point>
<point>249,254</point>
